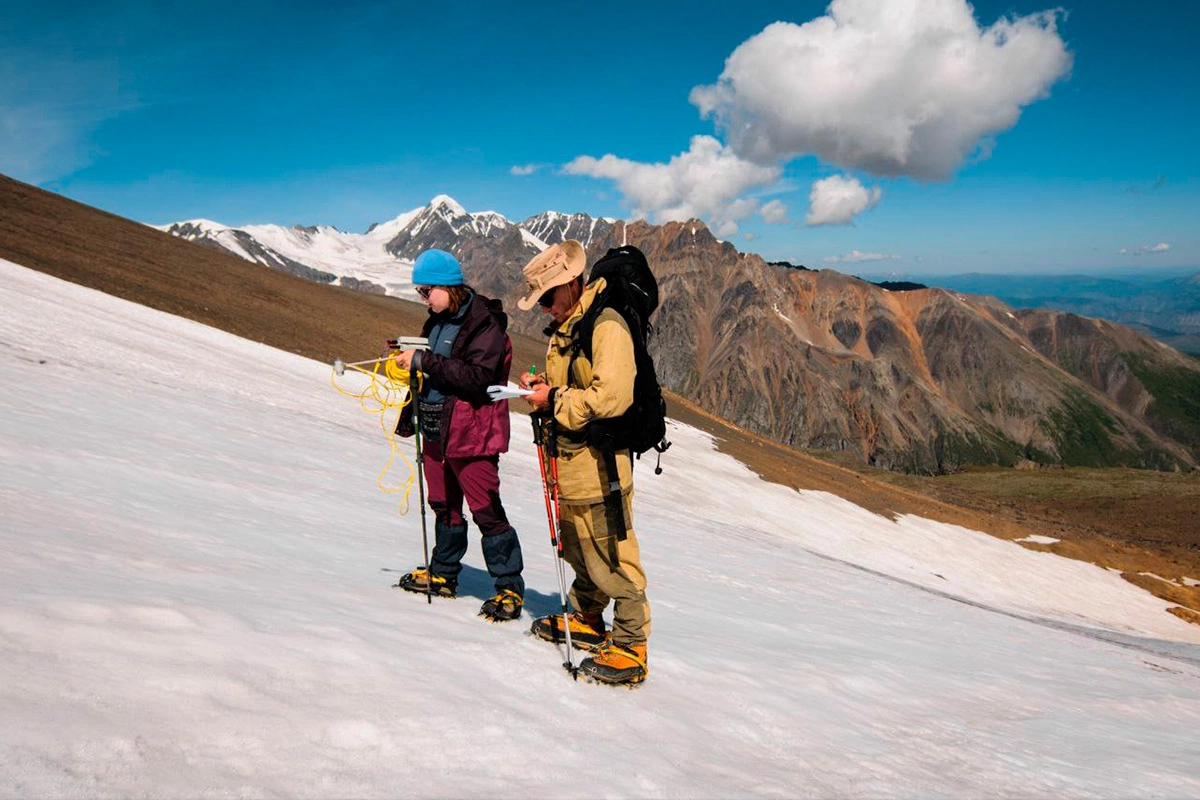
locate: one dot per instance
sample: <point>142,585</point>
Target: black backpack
<point>630,290</point>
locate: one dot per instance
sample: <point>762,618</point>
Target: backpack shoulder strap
<point>581,334</point>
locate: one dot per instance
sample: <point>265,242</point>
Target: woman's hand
<point>403,359</point>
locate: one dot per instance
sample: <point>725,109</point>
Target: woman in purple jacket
<point>463,432</point>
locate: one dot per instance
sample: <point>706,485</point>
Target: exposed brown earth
<point>83,245</point>
<point>1129,520</point>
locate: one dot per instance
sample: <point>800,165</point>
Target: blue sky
<point>306,113</point>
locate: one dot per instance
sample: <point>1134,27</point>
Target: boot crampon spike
<point>419,582</point>
<point>616,664</point>
<point>505,606</point>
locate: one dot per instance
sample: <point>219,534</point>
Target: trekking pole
<point>550,484</point>
<point>413,391</point>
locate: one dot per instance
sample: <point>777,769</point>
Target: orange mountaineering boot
<point>617,664</point>
<point>587,630</point>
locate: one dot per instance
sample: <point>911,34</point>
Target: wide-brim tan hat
<point>554,266</point>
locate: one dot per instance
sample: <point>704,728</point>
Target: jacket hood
<point>496,307</point>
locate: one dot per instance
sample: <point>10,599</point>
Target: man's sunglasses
<point>547,298</point>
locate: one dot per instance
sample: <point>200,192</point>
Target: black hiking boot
<point>418,581</point>
<point>504,607</point>
<point>587,630</point>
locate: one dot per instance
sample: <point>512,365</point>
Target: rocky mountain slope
<point>923,381</point>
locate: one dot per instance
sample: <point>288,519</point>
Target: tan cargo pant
<point>606,568</point>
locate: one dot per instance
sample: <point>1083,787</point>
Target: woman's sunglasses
<point>424,291</point>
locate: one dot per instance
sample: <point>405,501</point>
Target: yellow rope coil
<point>387,390</point>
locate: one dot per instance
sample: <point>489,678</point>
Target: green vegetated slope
<point>1175,410</point>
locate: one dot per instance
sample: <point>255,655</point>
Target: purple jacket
<point>472,425</point>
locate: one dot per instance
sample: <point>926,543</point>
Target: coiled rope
<point>386,390</point>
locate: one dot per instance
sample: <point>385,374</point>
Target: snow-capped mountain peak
<point>192,228</point>
<point>386,231</point>
<point>449,203</point>
<point>553,227</point>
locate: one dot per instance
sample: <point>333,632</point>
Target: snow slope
<point>347,255</point>
<point>192,604</point>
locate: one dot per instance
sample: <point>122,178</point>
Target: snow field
<point>193,603</point>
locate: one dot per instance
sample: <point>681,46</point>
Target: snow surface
<point>450,203</point>
<point>1036,538</point>
<point>348,255</point>
<point>532,241</point>
<point>192,604</point>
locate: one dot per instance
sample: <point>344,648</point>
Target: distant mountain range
<point>1167,309</point>
<point>380,260</point>
<point>924,380</point>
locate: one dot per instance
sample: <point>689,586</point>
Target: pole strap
<point>614,500</point>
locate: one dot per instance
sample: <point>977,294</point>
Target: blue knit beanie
<point>436,268</point>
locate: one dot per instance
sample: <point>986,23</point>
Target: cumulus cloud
<point>773,212</point>
<point>521,170</point>
<point>1146,249</point>
<point>707,182</point>
<point>855,256</point>
<point>889,87</point>
<point>838,199</point>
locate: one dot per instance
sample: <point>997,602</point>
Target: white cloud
<point>1146,249</point>
<point>521,170</point>
<point>704,182</point>
<point>837,200</point>
<point>855,256</point>
<point>890,87</point>
<point>773,212</point>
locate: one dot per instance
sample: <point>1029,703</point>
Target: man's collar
<point>585,302</point>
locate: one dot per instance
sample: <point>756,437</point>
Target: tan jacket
<point>599,388</point>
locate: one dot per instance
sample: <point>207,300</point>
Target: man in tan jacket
<point>598,538</point>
